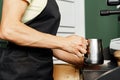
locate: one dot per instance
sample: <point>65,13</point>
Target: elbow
<point>7,32</point>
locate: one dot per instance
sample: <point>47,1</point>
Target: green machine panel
<point>0,8</point>
<point>103,27</point>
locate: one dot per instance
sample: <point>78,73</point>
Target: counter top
<point>91,72</point>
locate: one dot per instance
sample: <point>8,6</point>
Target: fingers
<point>83,47</point>
<point>76,45</point>
<point>79,54</point>
<point>84,42</point>
<point>82,50</point>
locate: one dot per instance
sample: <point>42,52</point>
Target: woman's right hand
<point>75,44</point>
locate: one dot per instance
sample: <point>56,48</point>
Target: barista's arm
<point>69,57</point>
<point>12,29</point>
<point>1,36</point>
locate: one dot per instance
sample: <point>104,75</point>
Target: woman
<point>30,26</point>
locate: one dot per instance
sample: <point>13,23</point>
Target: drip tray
<point>92,75</point>
<point>91,72</point>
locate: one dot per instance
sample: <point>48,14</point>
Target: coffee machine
<point>109,70</point>
<point>112,74</point>
<point>111,12</point>
<point>114,43</point>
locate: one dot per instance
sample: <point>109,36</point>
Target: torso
<point>35,8</point>
<point>26,63</point>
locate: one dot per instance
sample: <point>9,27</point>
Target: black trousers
<point>19,64</point>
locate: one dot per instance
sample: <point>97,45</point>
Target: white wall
<point>72,19</point>
<point>80,17</point>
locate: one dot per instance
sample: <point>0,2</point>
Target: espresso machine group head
<point>113,2</point>
<point>111,12</point>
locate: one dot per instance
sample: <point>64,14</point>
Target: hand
<point>75,44</point>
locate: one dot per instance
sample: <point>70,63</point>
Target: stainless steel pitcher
<point>95,52</point>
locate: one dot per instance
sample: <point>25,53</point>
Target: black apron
<point>26,63</point>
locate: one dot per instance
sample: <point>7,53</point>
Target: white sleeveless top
<point>35,8</point>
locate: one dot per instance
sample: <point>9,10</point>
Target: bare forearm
<point>68,57</point>
<point>1,37</point>
<point>14,30</point>
<point>23,35</point>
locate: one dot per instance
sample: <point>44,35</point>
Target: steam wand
<point>109,12</point>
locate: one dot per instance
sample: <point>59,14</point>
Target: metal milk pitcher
<point>95,52</point>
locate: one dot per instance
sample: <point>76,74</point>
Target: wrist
<point>60,41</point>
<point>53,42</point>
